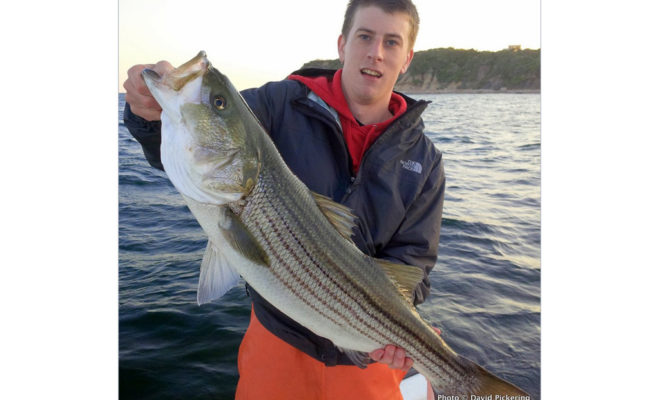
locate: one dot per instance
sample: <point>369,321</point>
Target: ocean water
<point>485,293</point>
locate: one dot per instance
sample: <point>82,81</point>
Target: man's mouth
<point>371,72</point>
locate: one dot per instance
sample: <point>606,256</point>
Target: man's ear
<point>409,58</point>
<point>341,44</point>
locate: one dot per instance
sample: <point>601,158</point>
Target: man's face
<point>374,53</point>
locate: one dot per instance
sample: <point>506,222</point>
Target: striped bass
<point>291,245</point>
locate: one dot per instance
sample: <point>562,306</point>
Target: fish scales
<point>309,271</point>
<point>288,244</point>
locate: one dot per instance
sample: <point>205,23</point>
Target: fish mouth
<point>178,77</point>
<point>371,72</point>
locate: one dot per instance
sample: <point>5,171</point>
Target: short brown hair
<point>389,6</point>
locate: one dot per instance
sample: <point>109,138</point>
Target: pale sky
<point>254,42</point>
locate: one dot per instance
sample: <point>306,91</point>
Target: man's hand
<point>138,95</point>
<point>394,357</point>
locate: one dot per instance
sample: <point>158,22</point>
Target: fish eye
<point>219,102</point>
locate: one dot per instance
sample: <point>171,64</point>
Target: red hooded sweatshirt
<point>358,137</point>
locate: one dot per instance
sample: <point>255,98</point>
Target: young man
<point>348,136</point>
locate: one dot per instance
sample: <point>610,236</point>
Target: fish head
<point>206,148</point>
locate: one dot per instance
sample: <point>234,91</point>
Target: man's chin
<point>373,92</point>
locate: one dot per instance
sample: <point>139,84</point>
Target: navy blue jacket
<point>397,194</point>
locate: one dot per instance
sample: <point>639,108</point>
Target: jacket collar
<point>415,107</point>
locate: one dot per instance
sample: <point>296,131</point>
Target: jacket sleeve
<point>147,133</point>
<point>417,239</point>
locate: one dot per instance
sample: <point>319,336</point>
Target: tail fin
<point>482,383</point>
<point>490,384</point>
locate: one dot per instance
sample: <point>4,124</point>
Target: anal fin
<point>359,358</point>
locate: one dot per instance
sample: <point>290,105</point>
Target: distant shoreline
<point>470,91</point>
<point>452,71</point>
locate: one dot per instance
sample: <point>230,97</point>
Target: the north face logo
<point>411,165</point>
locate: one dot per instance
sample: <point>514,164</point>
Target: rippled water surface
<point>485,292</point>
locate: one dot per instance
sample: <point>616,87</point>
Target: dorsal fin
<point>405,277</point>
<point>339,215</point>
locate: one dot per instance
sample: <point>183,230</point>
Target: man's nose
<point>376,51</point>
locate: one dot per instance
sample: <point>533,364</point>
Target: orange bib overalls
<point>271,369</point>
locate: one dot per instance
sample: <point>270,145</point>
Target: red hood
<point>358,137</point>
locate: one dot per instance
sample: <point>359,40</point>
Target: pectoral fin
<point>216,276</point>
<point>240,239</point>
